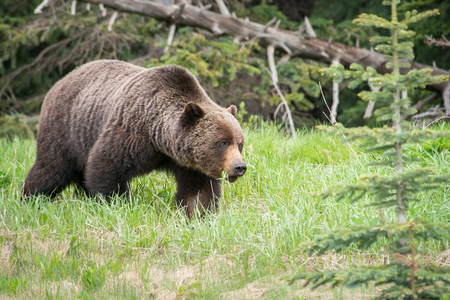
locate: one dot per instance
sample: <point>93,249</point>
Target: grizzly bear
<point>109,121</point>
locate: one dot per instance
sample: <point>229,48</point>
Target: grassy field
<point>145,248</point>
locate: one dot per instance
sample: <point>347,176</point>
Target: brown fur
<point>109,121</point>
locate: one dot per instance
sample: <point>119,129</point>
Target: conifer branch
<point>407,278</point>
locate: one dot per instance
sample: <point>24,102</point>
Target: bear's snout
<point>236,168</point>
<point>240,168</point>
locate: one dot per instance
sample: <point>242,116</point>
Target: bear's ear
<point>232,110</point>
<point>191,113</point>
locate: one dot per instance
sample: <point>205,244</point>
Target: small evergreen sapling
<point>406,277</point>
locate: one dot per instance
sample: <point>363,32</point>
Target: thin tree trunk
<point>401,207</point>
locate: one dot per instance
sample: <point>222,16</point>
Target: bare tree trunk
<point>371,104</point>
<point>401,205</point>
<point>245,30</point>
<point>334,106</point>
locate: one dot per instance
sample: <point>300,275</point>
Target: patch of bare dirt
<point>5,254</point>
<point>165,280</point>
<point>443,259</point>
<point>253,290</point>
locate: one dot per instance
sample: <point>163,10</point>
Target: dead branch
<point>419,105</point>
<point>404,96</point>
<point>73,9</point>
<point>112,20</point>
<point>433,112</point>
<point>223,8</point>
<point>371,104</point>
<point>326,104</point>
<point>271,60</point>
<point>43,5</point>
<point>440,43</point>
<point>446,97</point>
<point>334,106</point>
<point>369,110</point>
<point>309,30</point>
<point>102,9</point>
<point>284,103</point>
<point>89,43</point>
<point>172,29</point>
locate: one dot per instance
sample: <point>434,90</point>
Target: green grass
<point>145,248</point>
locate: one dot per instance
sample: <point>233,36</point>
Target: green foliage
<point>215,61</point>
<point>57,267</point>
<point>15,125</point>
<point>11,285</point>
<point>339,13</point>
<point>93,277</point>
<point>5,179</point>
<point>407,277</point>
<point>218,62</point>
<point>241,112</point>
<point>384,43</point>
<point>342,29</point>
<point>436,27</point>
<point>36,52</point>
<point>296,79</point>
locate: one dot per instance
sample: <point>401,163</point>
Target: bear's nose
<point>240,168</point>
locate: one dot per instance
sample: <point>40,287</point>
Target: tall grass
<point>144,247</point>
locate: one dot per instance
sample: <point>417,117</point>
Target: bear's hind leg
<point>48,179</point>
<point>197,192</point>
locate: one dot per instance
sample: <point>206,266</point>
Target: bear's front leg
<point>104,177</point>
<point>108,168</point>
<point>196,191</point>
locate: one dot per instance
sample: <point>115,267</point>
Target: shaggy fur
<point>109,121</point>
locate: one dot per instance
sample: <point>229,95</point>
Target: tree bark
<point>245,30</point>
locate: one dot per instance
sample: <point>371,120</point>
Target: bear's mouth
<point>232,178</point>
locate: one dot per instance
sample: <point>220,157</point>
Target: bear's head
<point>214,141</point>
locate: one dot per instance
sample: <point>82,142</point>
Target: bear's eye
<point>223,145</point>
<point>241,146</point>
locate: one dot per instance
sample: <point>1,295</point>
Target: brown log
<point>244,30</point>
